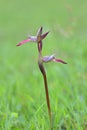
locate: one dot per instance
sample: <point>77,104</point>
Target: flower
<point>38,38</point>
<point>52,58</point>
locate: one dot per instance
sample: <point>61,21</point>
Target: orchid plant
<point>38,39</point>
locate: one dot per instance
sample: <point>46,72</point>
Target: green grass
<point>22,95</point>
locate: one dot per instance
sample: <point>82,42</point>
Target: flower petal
<point>33,38</point>
<point>23,42</point>
<point>44,35</point>
<point>48,58</point>
<point>39,31</point>
<point>58,60</point>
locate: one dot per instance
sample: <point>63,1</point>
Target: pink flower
<point>52,58</point>
<point>38,38</point>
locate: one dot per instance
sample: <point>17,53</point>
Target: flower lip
<point>59,60</point>
<point>23,42</point>
<point>52,58</point>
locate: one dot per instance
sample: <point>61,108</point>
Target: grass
<point>22,94</point>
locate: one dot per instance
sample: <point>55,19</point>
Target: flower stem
<point>47,93</point>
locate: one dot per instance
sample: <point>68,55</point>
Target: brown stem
<point>46,90</point>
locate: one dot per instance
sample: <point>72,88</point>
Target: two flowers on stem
<point>38,39</point>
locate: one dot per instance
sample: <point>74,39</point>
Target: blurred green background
<point>22,96</point>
